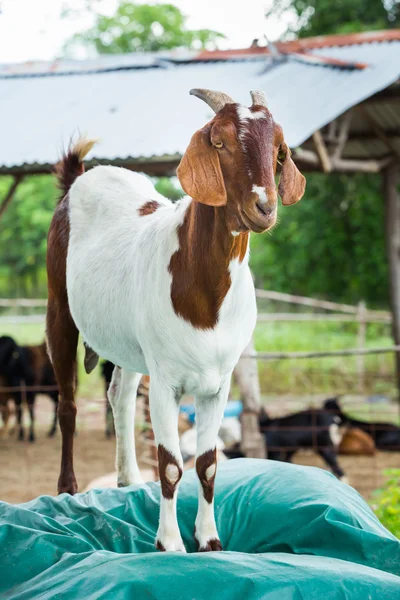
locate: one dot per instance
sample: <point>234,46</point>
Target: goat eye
<point>281,156</point>
<point>217,144</point>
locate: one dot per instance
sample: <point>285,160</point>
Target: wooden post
<point>362,331</point>
<point>246,374</point>
<point>391,180</point>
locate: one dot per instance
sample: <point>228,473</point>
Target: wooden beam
<point>343,165</point>
<point>343,135</point>
<point>391,180</point>
<point>322,152</point>
<point>377,129</point>
<point>391,132</point>
<point>10,194</point>
<point>351,165</point>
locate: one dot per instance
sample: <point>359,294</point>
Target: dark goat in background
<point>26,366</point>
<point>314,429</point>
<point>107,369</point>
<point>385,435</point>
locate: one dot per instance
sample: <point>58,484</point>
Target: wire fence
<point>365,470</point>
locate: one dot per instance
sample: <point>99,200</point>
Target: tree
<point>331,245</point>
<point>23,235</point>
<point>142,27</point>
<point>324,17</point>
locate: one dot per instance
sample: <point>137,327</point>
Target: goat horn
<point>258,97</point>
<point>215,100</point>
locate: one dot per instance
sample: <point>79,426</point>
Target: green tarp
<point>288,532</point>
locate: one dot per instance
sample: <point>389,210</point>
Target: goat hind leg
<point>62,340</point>
<point>122,397</point>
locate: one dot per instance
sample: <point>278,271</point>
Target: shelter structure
<point>337,98</point>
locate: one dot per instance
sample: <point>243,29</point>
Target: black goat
<point>316,429</point>
<point>26,366</point>
<point>385,435</point>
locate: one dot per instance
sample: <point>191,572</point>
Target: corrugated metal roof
<point>147,112</point>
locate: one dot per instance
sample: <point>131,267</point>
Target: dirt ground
<point>29,469</point>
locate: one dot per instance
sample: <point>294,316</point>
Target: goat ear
<point>292,183</point>
<point>199,172</point>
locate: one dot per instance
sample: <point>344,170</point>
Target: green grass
<point>322,375</point>
<point>301,376</point>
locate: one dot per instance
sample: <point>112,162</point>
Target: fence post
<point>246,375</point>
<point>361,338</point>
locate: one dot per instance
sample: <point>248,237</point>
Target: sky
<point>35,30</point>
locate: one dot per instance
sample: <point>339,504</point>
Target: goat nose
<point>266,196</point>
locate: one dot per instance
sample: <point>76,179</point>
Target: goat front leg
<point>209,414</point>
<point>18,413</point>
<point>164,410</point>
<point>122,397</point>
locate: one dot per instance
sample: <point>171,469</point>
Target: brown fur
<point>213,545</point>
<point>148,208</point>
<point>204,461</point>
<point>218,180</point>
<point>165,458</point>
<point>62,334</point>
<point>200,267</point>
<point>357,442</point>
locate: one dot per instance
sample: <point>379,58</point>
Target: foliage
<point>23,233</point>
<point>387,502</point>
<point>324,17</point>
<point>330,244</point>
<point>169,188</point>
<point>143,27</point>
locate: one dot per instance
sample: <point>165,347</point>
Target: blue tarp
<point>288,532</point>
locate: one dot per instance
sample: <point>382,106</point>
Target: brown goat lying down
<point>357,442</point>
<point>27,366</point>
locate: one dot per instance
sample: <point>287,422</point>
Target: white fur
<point>335,434</point>
<point>260,191</point>
<point>245,113</point>
<point>119,295</point>
<point>122,397</point>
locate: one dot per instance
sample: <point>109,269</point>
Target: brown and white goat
<point>165,289</point>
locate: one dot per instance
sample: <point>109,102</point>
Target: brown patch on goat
<point>159,546</point>
<point>200,267</point>
<point>204,462</point>
<point>357,442</point>
<point>148,208</point>
<point>165,459</point>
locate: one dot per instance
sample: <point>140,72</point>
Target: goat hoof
<point>213,545</point>
<point>51,433</point>
<point>170,545</point>
<point>32,437</point>
<point>21,436</point>
<point>67,486</point>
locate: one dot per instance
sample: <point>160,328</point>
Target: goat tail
<point>71,165</point>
